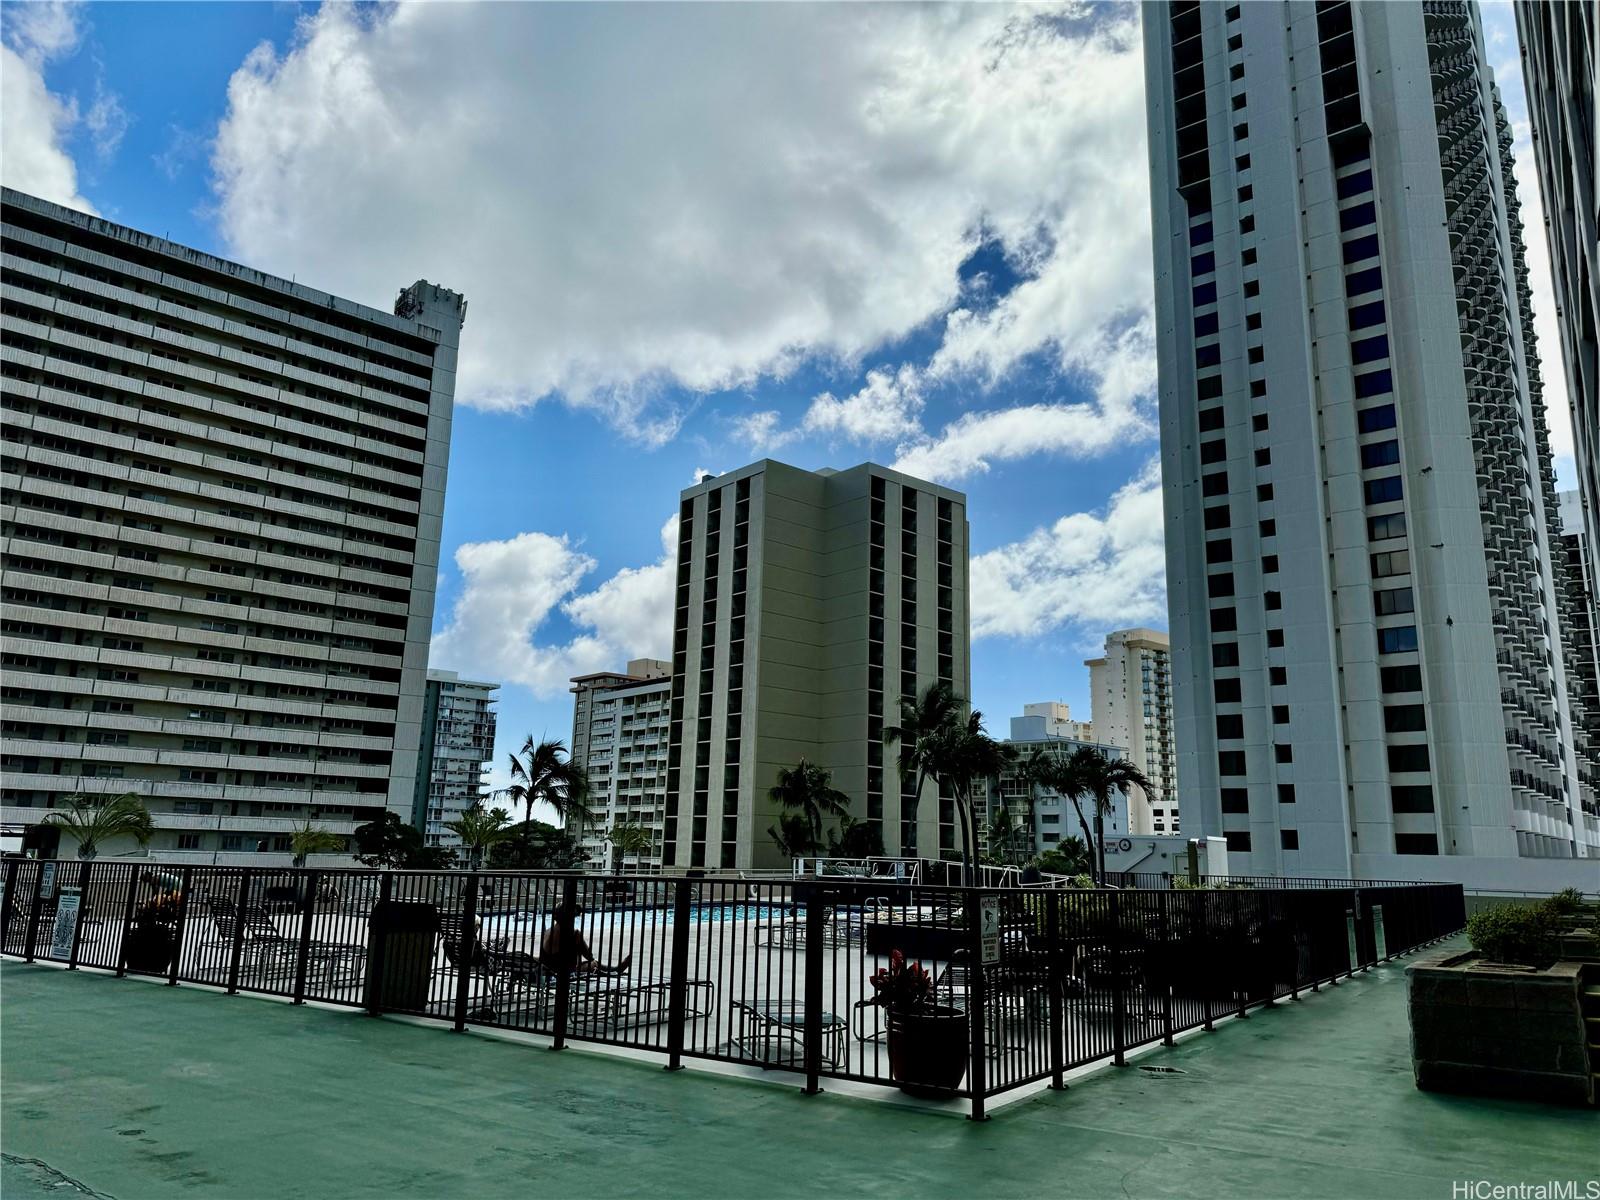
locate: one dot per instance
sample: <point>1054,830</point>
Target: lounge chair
<point>772,1025</point>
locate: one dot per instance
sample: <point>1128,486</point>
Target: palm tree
<point>627,837</point>
<point>1064,776</point>
<point>806,791</point>
<point>1101,777</point>
<point>480,828</point>
<point>925,728</point>
<point>942,741</point>
<point>543,772</point>
<point>93,821</point>
<point>308,840</point>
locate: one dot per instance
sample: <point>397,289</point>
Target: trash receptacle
<point>400,944</point>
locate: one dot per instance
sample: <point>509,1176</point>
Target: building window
<point>1219,551</point>
<point>1374,383</point>
<point>1289,839</point>
<point>1258,423</point>
<point>1230,726</point>
<point>1224,654</point>
<point>1411,797</point>
<point>1230,762</point>
<point>1373,349</point>
<point>1408,758</point>
<point>1286,793</point>
<point>1404,718</point>
<point>1416,843</point>
<point>1238,840</point>
<point>1274,637</point>
<point>188,841</point>
<point>1394,600</point>
<point>1283,752</point>
<point>1278,676</point>
<point>1235,800</point>
<point>1391,525</point>
<point>1401,639</point>
<point>1384,491</point>
<point>1273,600</point>
<point>1401,679</point>
<point>1380,454</point>
<point>1226,691</point>
<point>1371,420</point>
<point>1224,620</point>
<point>1216,517</point>
<point>1280,714</point>
<point>1269,564</point>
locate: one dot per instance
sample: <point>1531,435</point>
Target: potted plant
<point>927,1040</point>
<point>153,940</point>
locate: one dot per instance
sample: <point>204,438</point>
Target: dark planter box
<point>1497,1030</point>
<point>151,946</point>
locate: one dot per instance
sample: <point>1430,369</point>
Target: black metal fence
<point>1029,983</point>
<point>1166,879</point>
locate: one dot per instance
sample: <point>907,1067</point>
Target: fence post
<point>811,1034</point>
<point>7,902</point>
<point>678,985</point>
<point>236,951</point>
<point>564,961</point>
<point>33,910</point>
<point>302,957</point>
<point>1119,997</point>
<point>77,924</point>
<point>127,922</point>
<point>185,882</point>
<point>978,1026</point>
<point>1243,943</point>
<point>378,943</point>
<point>1202,903</point>
<point>466,951</point>
<point>1058,1000</point>
<point>1164,901</point>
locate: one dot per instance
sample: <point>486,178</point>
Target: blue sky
<point>688,238</point>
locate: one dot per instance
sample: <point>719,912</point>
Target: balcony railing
<point>1027,983</point>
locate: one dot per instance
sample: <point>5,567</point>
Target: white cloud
<point>639,197</point>
<point>511,587</point>
<point>1103,569</point>
<point>886,407</point>
<point>106,121</point>
<point>36,123</point>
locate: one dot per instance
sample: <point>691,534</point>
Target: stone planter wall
<point>1501,1031</point>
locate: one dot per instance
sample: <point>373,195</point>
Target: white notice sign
<point>66,923</point>
<point>989,928</point>
<point>47,880</point>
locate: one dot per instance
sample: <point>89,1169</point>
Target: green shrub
<point>1513,933</point>
<point>1565,902</point>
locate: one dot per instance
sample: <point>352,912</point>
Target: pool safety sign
<point>989,929</point>
<point>66,923</point>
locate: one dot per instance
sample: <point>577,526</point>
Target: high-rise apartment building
<point>1582,644</point>
<point>1130,691</point>
<point>1560,60</point>
<point>454,762</point>
<point>221,517</point>
<point>808,603</point>
<point>619,737</point>
<point>1361,573</point>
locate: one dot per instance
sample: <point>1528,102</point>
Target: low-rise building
<point>1042,816</point>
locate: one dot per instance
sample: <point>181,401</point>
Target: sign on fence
<point>1379,940</point>
<point>1350,933</point>
<point>66,922</point>
<point>47,880</point>
<point>989,929</point>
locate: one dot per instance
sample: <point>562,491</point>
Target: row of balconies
<point>132,723</point>
<point>226,366</point>
<point>63,268</point>
<point>221,464</point>
<point>27,781</point>
<point>71,752</point>
<point>194,700</point>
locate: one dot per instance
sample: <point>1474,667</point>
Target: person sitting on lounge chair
<point>577,957</point>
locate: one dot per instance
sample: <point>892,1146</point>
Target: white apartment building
<point>1047,815</point>
<point>1361,567</point>
<point>619,736</point>
<point>1130,692</point>
<point>808,603</point>
<point>1052,718</point>
<point>453,766</point>
<point>221,509</point>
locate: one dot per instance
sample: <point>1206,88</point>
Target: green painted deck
<point>130,1089</point>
